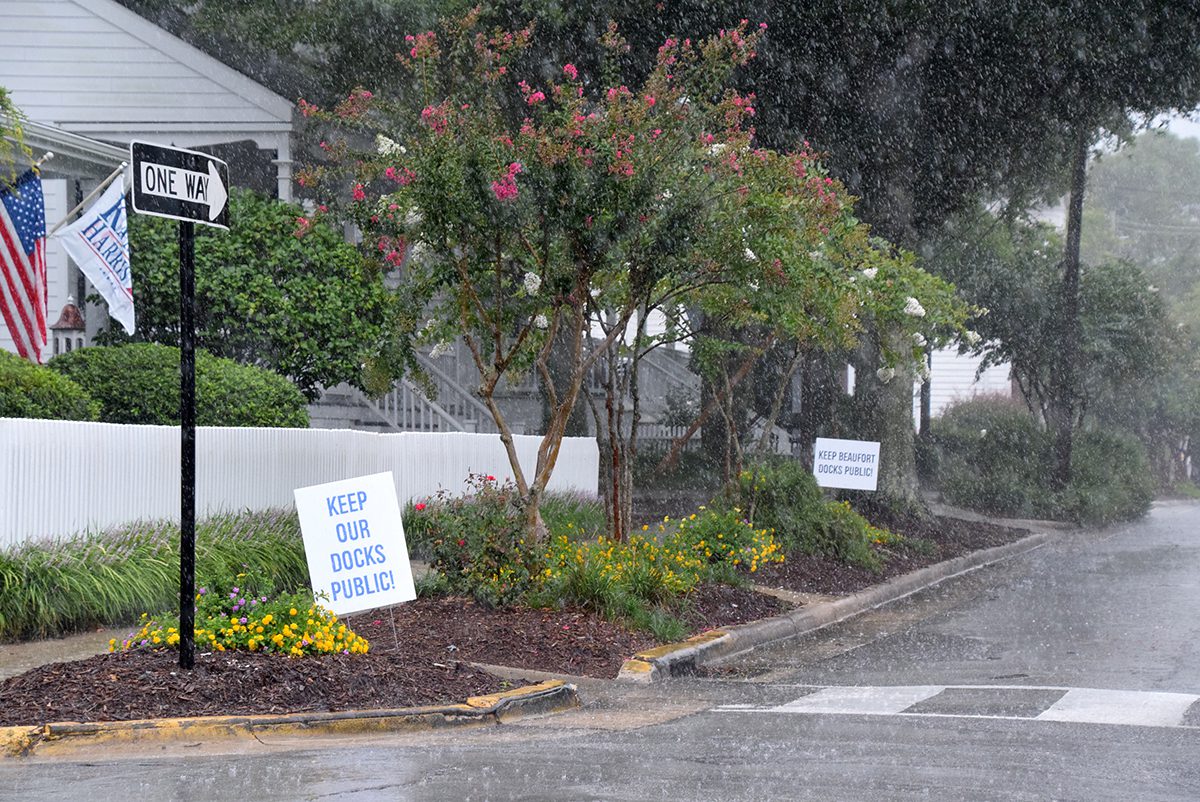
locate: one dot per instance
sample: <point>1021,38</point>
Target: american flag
<point>23,264</point>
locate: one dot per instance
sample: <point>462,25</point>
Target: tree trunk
<point>1064,397</point>
<point>885,414</point>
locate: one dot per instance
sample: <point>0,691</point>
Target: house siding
<point>66,65</point>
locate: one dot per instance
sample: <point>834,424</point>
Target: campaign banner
<point>847,464</point>
<point>99,243</point>
<point>354,543</point>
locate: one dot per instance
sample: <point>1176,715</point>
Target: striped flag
<point>23,264</point>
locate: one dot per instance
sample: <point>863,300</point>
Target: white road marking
<point>1077,705</point>
<point>1141,708</point>
<point>879,700</point>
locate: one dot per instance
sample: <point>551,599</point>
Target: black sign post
<point>191,187</point>
<point>187,444</point>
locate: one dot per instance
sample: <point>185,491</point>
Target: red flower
<point>420,505</point>
<point>462,542</point>
<point>491,478</point>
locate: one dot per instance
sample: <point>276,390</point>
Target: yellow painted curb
<point>544,697</point>
<point>671,648</point>
<point>15,741</point>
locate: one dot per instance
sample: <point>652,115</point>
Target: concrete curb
<point>683,658</point>
<point>545,697</point>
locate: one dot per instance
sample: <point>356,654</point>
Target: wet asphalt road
<point>1072,672</point>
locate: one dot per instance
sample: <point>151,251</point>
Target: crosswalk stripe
<point>1144,708</point>
<point>873,700</point>
<point>1010,702</point>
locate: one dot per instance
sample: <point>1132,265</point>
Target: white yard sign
<point>849,464</point>
<point>354,542</point>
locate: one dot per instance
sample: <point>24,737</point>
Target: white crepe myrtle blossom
<point>923,370</point>
<point>870,272</point>
<point>532,282</point>
<point>913,307</point>
<point>387,146</point>
<point>972,337</point>
<point>885,375</point>
<point>541,322</point>
<point>751,256</point>
<point>919,339</point>
<point>444,348</point>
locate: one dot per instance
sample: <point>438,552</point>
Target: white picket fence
<point>59,478</point>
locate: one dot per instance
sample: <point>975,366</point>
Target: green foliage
<point>1110,479</point>
<point>583,515</point>
<point>56,588</point>
<point>783,496</point>
<point>244,612</point>
<point>139,383</point>
<point>993,457</point>
<point>991,451</point>
<point>476,541</point>
<point>34,391</point>
<point>307,307</point>
<point>12,140</point>
<point>1014,272</point>
<point>527,204</point>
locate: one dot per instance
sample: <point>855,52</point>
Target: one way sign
<point>179,184</point>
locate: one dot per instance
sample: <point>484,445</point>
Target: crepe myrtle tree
<point>525,210</point>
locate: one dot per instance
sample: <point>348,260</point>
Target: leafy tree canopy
<point>310,308</point>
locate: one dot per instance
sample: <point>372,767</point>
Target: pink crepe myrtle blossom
<point>570,71</point>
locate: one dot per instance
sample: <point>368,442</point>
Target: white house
<point>91,76</point>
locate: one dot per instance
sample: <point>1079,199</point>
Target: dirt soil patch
<point>421,653</point>
<point>424,652</point>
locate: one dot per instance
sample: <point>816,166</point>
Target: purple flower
<point>203,591</point>
<point>242,620</point>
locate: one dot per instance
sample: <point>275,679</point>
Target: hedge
<point>35,391</point>
<point>139,383</point>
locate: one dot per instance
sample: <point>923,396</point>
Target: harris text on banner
<point>99,243</point>
<point>23,264</point>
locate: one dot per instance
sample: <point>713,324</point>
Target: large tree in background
<point>920,108</point>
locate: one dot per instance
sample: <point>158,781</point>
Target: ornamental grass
<point>54,588</point>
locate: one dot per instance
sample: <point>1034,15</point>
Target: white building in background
<point>955,377</point>
<point>91,76</point>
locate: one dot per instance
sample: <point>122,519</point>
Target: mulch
<point>424,652</point>
<point>944,539</point>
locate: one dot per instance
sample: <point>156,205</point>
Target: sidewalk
<point>17,658</point>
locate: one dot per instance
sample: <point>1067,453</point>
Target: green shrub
<point>477,542</point>
<point>782,495</point>
<point>995,458</point>
<point>74,584</point>
<point>1111,479</point>
<point>33,391</point>
<point>139,383</point>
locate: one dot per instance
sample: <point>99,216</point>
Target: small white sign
<point>849,464</point>
<point>354,542</point>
